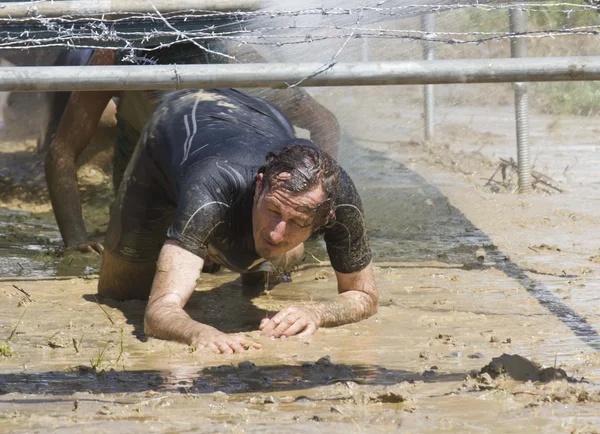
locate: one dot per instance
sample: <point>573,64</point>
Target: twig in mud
<point>23,292</point>
<point>531,248</point>
<point>14,330</point>
<point>236,371</point>
<point>76,344</point>
<point>121,350</point>
<point>54,334</point>
<point>104,310</point>
<point>317,259</point>
<point>493,176</point>
<point>509,167</point>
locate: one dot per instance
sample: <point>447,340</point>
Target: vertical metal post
<point>518,48</point>
<point>428,26</point>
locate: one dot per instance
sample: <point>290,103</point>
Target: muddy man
<point>83,112</point>
<point>219,175</point>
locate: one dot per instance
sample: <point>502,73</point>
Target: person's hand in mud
<point>177,271</point>
<point>211,339</point>
<point>95,248</point>
<point>291,321</point>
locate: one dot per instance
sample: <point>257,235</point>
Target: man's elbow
<point>372,304</point>
<point>151,320</point>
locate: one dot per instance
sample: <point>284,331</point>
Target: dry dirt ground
<point>466,274</point>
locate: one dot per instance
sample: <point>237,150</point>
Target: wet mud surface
<point>488,316</point>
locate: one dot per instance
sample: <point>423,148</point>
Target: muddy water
<point>465,275</point>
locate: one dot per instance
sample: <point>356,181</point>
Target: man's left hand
<point>290,321</point>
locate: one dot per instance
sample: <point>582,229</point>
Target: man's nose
<point>278,232</point>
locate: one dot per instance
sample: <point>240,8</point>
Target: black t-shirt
<point>207,147</point>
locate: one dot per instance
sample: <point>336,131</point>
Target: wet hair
<point>309,167</point>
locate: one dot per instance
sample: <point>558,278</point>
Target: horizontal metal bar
<point>144,77</point>
<point>100,7</point>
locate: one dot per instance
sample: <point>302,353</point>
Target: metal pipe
<point>100,7</point>
<point>428,26</point>
<point>169,77</point>
<point>518,49</point>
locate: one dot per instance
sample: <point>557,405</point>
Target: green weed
<point>6,350</point>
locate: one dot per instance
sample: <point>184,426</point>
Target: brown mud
<point>488,317</point>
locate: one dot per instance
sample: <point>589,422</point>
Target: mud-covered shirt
<point>208,147</point>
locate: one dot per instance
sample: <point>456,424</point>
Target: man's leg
<point>122,280</point>
<point>139,218</point>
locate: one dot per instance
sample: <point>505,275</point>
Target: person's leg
<point>137,230</point>
<point>122,280</point>
<point>124,147</point>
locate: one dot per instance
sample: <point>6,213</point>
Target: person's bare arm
<point>301,109</point>
<point>306,112</point>
<point>77,126</point>
<point>176,274</point>
<point>357,300</point>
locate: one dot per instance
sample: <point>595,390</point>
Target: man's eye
<point>299,224</point>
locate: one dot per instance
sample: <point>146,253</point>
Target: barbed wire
<point>147,32</point>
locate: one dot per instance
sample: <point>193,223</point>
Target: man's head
<point>293,197</point>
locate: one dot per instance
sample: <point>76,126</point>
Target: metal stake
<point>428,26</point>
<point>518,48</point>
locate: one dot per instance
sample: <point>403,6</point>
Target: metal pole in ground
<point>428,26</point>
<point>518,48</point>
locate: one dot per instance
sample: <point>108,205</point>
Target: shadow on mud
<point>243,378</point>
<point>224,307</point>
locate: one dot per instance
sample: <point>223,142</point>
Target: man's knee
<point>121,280</point>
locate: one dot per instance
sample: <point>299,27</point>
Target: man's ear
<point>258,188</point>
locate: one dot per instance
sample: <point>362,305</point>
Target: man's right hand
<point>218,342</point>
<point>90,247</point>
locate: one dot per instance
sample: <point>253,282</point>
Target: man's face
<point>281,220</point>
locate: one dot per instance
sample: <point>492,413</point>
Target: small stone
<point>423,355</point>
<point>494,340</point>
<point>434,368</point>
<point>325,361</point>
<point>456,354</point>
<point>429,373</point>
<point>271,400</point>
<point>475,356</point>
<point>507,341</point>
<point>335,409</point>
<point>485,378</point>
<point>247,366</point>
<point>303,400</point>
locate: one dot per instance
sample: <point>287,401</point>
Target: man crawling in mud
<point>219,177</point>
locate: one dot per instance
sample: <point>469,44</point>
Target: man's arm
<point>176,274</point>
<point>357,300</point>
<point>305,112</point>
<point>300,108</point>
<point>75,131</point>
